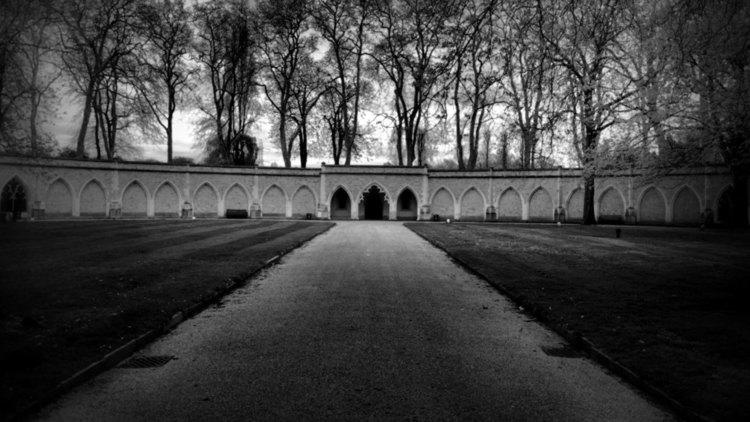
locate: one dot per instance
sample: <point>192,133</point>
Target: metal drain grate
<point>561,351</point>
<point>146,361</point>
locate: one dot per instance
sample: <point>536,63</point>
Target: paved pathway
<point>366,321</point>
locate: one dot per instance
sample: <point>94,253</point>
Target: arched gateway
<point>341,205</point>
<point>374,205</point>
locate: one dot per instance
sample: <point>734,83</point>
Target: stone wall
<point>66,188</point>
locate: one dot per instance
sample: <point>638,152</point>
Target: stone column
<point>424,212</point>
<point>115,207</point>
<point>630,214</point>
<point>559,210</point>
<point>322,209</point>
<point>255,200</point>
<point>150,206</point>
<point>187,204</point>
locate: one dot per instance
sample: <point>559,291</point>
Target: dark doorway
<point>374,201</point>
<point>725,208</point>
<point>407,206</point>
<point>13,199</point>
<point>341,206</point>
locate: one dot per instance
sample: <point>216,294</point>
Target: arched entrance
<point>725,207</point>
<point>374,204</point>
<point>13,199</point>
<point>406,206</point>
<point>341,206</point>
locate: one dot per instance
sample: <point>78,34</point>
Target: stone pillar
<point>186,208</point>
<point>630,213</point>
<point>115,208</point>
<point>221,206</point>
<point>255,211</point>
<point>354,209</point>
<point>150,205</point>
<point>322,211</point>
<point>76,210</point>
<point>393,209</point>
<point>424,212</point>
<point>490,213</point>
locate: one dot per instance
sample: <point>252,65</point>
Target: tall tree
<point>581,36</point>
<point>343,24</point>
<point>307,89</point>
<point>15,16</point>
<point>163,67</point>
<point>281,31</point>
<point>96,35</point>
<point>41,72</point>
<point>225,47</point>
<point>410,52</point>
<point>476,72</point>
<point>713,39</point>
<point>530,78</point>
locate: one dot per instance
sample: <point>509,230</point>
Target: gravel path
<point>366,321</point>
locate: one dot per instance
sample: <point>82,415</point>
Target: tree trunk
<point>171,107</point>
<point>32,123</point>
<point>169,140</point>
<point>303,144</point>
<point>504,153</point>
<point>459,132</point>
<point>80,146</point>
<point>399,143</point>
<point>285,154</point>
<point>588,198</point>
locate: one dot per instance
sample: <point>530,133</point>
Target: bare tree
<point>475,73</point>
<point>713,40</point>
<point>226,47</point>
<point>15,16</point>
<point>96,35</point>
<point>530,78</point>
<point>581,37</point>
<point>411,54</point>
<point>343,24</point>
<point>163,67</point>
<point>281,29</point>
<point>39,76</point>
<point>307,89</point>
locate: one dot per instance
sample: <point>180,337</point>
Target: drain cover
<point>561,351</point>
<point>146,361</point>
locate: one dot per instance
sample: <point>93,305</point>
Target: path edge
<point>579,342</point>
<point>111,359</point>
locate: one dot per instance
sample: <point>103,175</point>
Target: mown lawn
<point>70,292</point>
<point>673,305</point>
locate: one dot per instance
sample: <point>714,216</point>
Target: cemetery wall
<point>69,189</point>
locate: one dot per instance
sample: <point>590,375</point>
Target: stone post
<point>424,210</point>
<point>115,208</point>
<point>187,205</point>
<point>630,215</point>
<point>255,211</point>
<point>322,211</point>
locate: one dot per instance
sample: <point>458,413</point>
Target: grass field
<point>671,304</point>
<point>70,292</point>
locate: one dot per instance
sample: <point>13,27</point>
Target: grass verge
<point>71,292</point>
<point>669,304</point>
